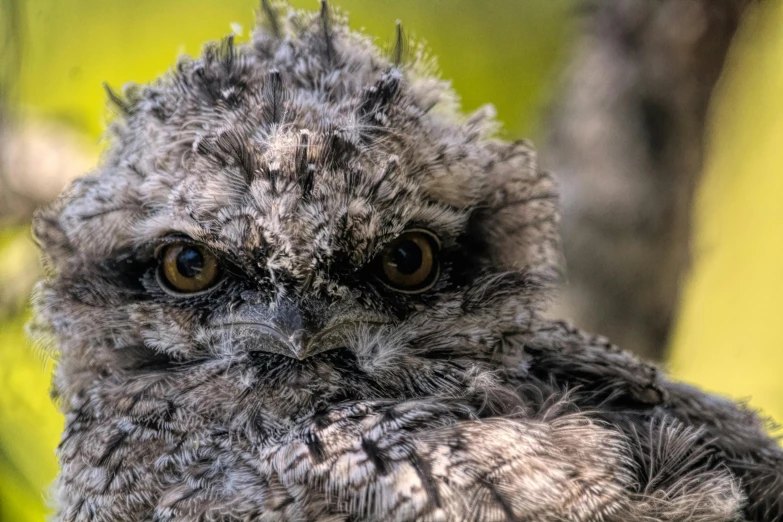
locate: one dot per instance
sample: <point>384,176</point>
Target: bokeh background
<point>567,73</point>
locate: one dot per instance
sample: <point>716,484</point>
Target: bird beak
<point>292,330</point>
<point>299,343</point>
<point>304,343</point>
<point>298,327</point>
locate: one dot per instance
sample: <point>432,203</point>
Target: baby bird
<point>301,286</point>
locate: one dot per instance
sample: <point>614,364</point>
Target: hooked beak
<point>299,344</point>
<point>293,333</point>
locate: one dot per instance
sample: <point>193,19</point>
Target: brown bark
<point>626,142</point>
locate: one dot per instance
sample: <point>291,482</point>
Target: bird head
<point>303,208</point>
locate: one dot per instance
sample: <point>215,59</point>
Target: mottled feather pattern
<point>294,160</point>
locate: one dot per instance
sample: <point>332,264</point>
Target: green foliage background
<point>498,50</point>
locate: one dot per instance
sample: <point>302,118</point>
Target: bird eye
<point>187,268</point>
<point>410,264</point>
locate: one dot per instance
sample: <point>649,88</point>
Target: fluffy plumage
<point>295,159</point>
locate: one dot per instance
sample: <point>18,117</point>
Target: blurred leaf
<point>729,338</point>
<point>30,425</point>
<point>19,501</point>
<point>504,52</point>
<point>20,270</point>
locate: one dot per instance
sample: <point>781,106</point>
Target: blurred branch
<point>11,16</point>
<point>627,142</point>
<point>37,159</point>
<point>10,63</point>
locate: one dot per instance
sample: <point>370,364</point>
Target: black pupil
<point>190,262</point>
<point>407,257</point>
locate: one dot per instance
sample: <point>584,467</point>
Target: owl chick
<point>301,286</point>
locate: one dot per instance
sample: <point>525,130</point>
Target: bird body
<point>301,286</point>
